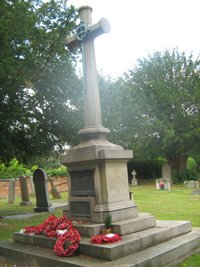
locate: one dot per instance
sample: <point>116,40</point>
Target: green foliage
<point>191,164</point>
<point>60,171</point>
<point>39,107</point>
<point>108,221</point>
<point>188,174</point>
<point>154,108</point>
<point>145,169</point>
<point>13,170</point>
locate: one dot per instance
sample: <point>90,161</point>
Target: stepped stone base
<point>145,242</point>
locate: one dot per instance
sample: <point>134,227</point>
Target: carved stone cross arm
<point>93,31</point>
<point>84,37</point>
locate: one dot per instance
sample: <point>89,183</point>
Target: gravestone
<point>163,181</point>
<point>32,185</point>
<point>11,192</point>
<point>54,191</point>
<point>167,172</point>
<point>24,191</point>
<point>134,180</point>
<point>98,178</point>
<point>191,184</point>
<point>41,191</point>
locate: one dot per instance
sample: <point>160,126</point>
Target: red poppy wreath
<point>103,239</point>
<point>68,238</point>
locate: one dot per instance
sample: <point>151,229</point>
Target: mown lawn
<point>177,204</point>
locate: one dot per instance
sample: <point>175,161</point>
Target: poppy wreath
<point>105,239</point>
<point>62,229</point>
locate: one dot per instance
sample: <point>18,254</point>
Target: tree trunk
<point>178,163</point>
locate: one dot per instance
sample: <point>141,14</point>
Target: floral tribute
<point>162,186</point>
<point>62,229</point>
<point>105,239</point>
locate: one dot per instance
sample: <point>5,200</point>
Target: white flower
<point>61,232</point>
<point>110,235</point>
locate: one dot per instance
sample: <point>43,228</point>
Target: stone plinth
<point>106,170</point>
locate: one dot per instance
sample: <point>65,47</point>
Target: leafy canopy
<point>39,90</point>
<point>156,107</point>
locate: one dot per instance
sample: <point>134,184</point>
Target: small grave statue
<point>134,180</point>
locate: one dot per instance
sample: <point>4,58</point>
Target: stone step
<point>135,242</point>
<point>142,222</point>
<point>165,254</point>
<point>130,243</point>
<point>124,227</point>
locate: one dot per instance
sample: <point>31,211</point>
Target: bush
<point>13,170</point>
<point>187,175</point>
<point>60,171</point>
<point>145,169</point>
<point>191,164</point>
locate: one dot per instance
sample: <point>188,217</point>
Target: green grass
<point>177,204</point>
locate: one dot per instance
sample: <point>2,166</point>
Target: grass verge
<point>177,204</point>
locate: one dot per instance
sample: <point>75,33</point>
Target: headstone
<point>196,192</point>
<point>11,192</point>
<point>163,184</point>
<point>24,191</point>
<point>167,172</point>
<point>54,191</point>
<point>32,186</point>
<point>191,184</point>
<point>134,180</point>
<point>41,191</point>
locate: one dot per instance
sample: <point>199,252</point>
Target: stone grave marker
<point>11,192</point>
<point>41,191</point>
<point>191,184</point>
<point>24,191</point>
<point>164,182</point>
<point>134,180</point>
<point>98,186</point>
<point>97,168</point>
<point>32,185</point>
<point>167,172</point>
<point>55,193</point>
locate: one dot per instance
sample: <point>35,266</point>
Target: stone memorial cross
<point>98,183</point>
<point>85,35</point>
<point>134,180</point>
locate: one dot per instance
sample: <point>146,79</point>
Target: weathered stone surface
<point>191,184</point>
<point>41,190</point>
<point>160,247</point>
<point>24,191</point>
<point>11,192</point>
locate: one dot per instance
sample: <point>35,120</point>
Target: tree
<point>39,90</point>
<point>160,104</point>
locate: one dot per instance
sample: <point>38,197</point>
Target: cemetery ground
<point>177,204</point>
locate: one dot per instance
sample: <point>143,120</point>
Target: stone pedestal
<point>98,183</point>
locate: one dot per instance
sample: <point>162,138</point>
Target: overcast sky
<point>139,27</point>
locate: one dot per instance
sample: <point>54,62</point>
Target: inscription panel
<point>82,183</point>
<point>80,209</point>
